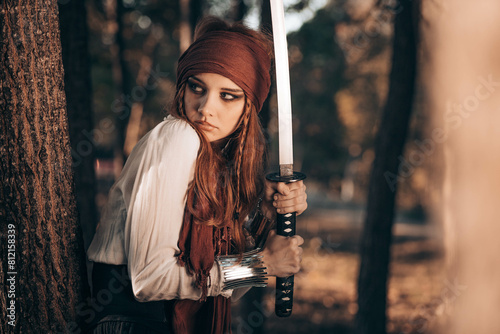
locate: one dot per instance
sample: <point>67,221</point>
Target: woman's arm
<point>155,217</point>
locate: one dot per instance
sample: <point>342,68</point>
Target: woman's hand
<point>283,198</point>
<point>282,255</point>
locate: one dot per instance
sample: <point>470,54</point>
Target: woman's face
<point>214,104</point>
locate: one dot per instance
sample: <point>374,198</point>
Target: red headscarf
<point>243,60</point>
<point>233,55</point>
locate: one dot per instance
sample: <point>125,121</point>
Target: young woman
<point>192,198</point>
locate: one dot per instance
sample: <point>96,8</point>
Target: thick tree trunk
<point>73,21</point>
<point>377,233</point>
<point>41,253</point>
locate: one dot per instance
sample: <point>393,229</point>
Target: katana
<point>285,224</point>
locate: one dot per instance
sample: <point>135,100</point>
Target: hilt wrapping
<point>285,226</point>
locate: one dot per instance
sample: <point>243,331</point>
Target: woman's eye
<point>228,97</point>
<point>195,88</point>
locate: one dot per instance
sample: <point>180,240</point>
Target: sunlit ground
<point>325,292</point>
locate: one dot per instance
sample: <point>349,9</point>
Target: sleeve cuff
<point>217,282</point>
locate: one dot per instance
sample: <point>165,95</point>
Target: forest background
<point>339,62</point>
<point>394,124</point>
<point>340,59</point>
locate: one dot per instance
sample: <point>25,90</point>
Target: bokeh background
<point>396,123</point>
<point>340,55</point>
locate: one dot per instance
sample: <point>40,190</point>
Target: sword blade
<point>282,88</point>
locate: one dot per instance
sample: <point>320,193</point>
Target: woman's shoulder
<point>175,131</point>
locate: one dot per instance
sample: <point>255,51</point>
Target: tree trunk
<point>239,10</point>
<point>73,21</point>
<point>145,64</point>
<point>196,10</point>
<point>185,26</point>
<point>121,106</point>
<point>265,15</point>
<point>266,25</point>
<point>190,11</point>
<point>42,255</point>
<point>377,233</point>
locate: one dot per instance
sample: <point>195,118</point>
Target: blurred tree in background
<point>77,86</point>
<point>391,138</point>
<point>317,66</point>
<point>134,46</point>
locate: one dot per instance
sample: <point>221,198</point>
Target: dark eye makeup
<point>196,87</point>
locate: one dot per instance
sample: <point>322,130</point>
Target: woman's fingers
<point>299,209</point>
<point>282,188</point>
<point>285,189</point>
<point>283,255</point>
<point>300,240</point>
<point>285,197</point>
<point>296,201</point>
<point>283,202</point>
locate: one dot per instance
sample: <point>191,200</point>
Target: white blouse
<point>142,220</point>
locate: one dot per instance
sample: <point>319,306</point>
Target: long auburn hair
<point>229,173</point>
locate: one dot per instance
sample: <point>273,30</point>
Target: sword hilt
<point>285,226</point>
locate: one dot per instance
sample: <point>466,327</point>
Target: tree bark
<point>77,85</point>
<point>41,253</point>
<point>377,233</point>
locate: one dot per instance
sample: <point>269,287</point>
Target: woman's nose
<point>207,105</point>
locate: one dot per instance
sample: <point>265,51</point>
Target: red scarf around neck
<point>199,244</point>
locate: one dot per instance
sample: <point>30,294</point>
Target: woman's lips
<point>205,126</point>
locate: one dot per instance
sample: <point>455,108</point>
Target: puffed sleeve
<point>155,216</point>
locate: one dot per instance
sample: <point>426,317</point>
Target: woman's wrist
<point>247,270</point>
<point>266,256</point>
